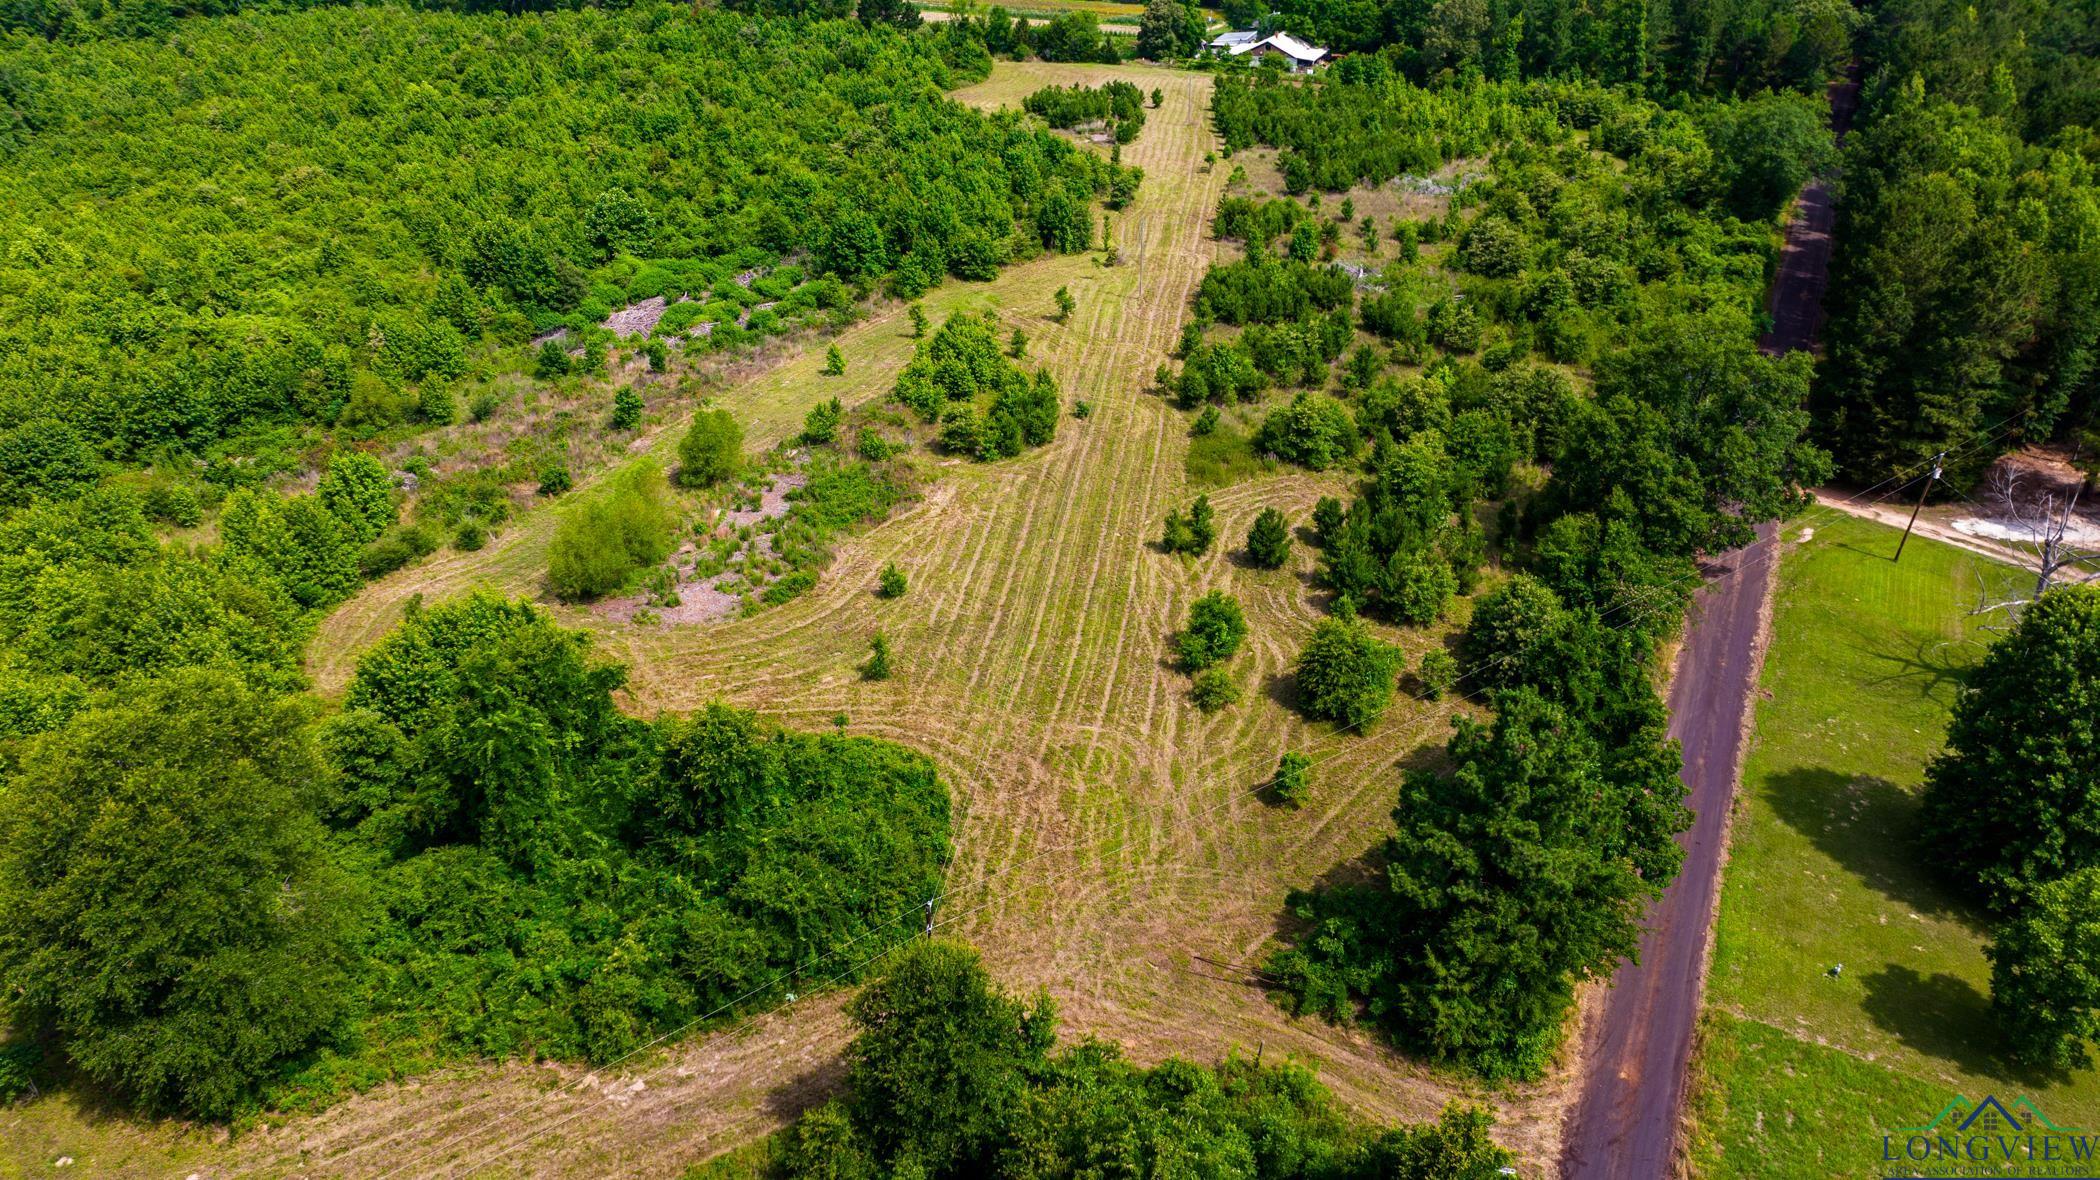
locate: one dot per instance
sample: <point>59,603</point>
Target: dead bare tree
<point>2042,522</point>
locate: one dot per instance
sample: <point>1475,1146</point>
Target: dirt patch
<point>636,319</point>
<point>772,503</point>
<point>698,597</point>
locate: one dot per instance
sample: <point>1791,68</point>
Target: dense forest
<point>318,219</point>
<point>478,854</point>
<point>1569,349</point>
<point>248,267</point>
<point>1691,46</point>
<point>949,1077</point>
<point>1965,295</point>
<point>237,255</point>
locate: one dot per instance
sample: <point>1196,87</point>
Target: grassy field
<point>1111,847</point>
<point>1800,1071</point>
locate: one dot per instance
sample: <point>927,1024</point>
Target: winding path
<point>1638,1048</point>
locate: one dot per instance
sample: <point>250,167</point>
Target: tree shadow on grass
<point>1360,873</point>
<point>809,1088</point>
<point>1935,667</point>
<point>1281,688</point>
<point>1869,826</point>
<point>1947,1018</point>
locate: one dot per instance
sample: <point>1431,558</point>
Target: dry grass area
<point>1110,848</point>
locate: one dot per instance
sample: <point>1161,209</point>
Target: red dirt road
<point>1796,299</point>
<point>1637,1051</point>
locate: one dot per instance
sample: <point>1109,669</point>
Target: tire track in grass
<point>1113,812</point>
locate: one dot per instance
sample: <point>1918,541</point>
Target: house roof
<point>1298,50</point>
<point>1249,40</point>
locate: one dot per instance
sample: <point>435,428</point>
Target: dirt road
<point>1638,1049</point>
<point>1796,300</point>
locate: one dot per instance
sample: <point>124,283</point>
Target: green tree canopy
<point>1512,877</point>
<point>175,917</point>
<point>1345,674</point>
<point>2020,778</point>
<point>712,449</point>
<point>1214,632</point>
<point>2045,972</point>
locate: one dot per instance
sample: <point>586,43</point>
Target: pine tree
<point>1269,541</point>
<point>1290,783</point>
<point>834,361</point>
<point>877,666</point>
<point>892,583</point>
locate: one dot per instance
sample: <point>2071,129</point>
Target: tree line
<point>1608,237</point>
<point>1665,46</point>
<point>221,896</point>
<point>430,194</point>
<point>949,1076</point>
<point>1965,290</point>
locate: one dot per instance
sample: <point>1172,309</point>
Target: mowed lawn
<point>1801,1072</point>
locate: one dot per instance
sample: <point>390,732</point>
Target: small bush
<point>1213,689</point>
<point>396,549</point>
<point>175,504</point>
<point>1437,673</point>
<point>1191,533</point>
<point>1269,541</point>
<point>1293,779</point>
<point>627,410</point>
<point>1216,628</point>
<point>555,480</point>
<point>551,362</point>
<point>789,588</point>
<point>712,449</point>
<point>821,424</point>
<point>877,666</point>
<point>892,583</point>
<point>603,542</point>
<point>470,537</point>
<point>872,446</point>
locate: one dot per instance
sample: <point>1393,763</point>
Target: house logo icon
<point>1989,1116</point>
<point>1990,1136</point>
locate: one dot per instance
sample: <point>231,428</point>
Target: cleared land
<point>1110,847</point>
<point>1801,1073</point>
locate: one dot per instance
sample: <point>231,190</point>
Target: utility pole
<point>1922,493</point>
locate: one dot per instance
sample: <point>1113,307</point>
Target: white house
<point>1297,55</point>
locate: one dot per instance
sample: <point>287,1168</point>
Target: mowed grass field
<point>1112,846</point>
<point>1801,1073</point>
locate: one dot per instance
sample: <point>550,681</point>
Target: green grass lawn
<point>1827,865</point>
